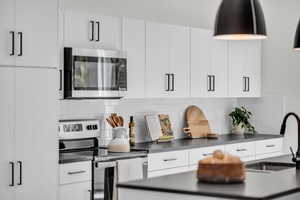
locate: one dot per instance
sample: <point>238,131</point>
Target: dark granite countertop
<point>257,186</point>
<point>182,144</point>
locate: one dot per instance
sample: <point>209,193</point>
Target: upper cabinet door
<point>244,62</point>
<point>108,32</point>
<point>7,137</point>
<point>208,65</point>
<point>79,30</point>
<point>200,62</point>
<point>36,33</point>
<point>84,30</point>
<point>179,60</point>
<point>219,68</point>
<point>36,133</point>
<point>158,80</point>
<point>134,45</point>
<point>253,69</point>
<point>7,32</point>
<point>236,68</point>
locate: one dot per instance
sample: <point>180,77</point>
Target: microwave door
<point>109,75</point>
<point>85,73</point>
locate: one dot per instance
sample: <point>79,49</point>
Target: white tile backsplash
<point>216,111</point>
<point>268,112</point>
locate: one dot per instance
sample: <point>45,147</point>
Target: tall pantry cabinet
<point>28,104</point>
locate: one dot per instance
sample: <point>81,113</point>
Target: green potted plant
<point>240,121</point>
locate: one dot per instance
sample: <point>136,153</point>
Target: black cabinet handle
<point>168,82</point>
<point>12,174</point>
<point>92,38</point>
<point>208,83</point>
<point>12,43</point>
<point>98,31</point>
<point>21,44</point>
<point>213,83</point>
<point>244,84</point>
<point>248,84</point>
<point>60,80</point>
<point>173,82</point>
<point>21,172</point>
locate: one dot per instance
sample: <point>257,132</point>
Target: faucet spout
<point>282,132</point>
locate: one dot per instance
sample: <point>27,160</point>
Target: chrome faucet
<point>296,158</point>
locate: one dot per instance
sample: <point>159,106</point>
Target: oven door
<point>99,74</point>
<point>104,181</point>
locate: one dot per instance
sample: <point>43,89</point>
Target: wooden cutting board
<point>198,125</point>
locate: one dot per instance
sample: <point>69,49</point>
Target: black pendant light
<point>297,38</point>
<point>240,20</point>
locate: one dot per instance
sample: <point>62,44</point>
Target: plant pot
<point>238,129</point>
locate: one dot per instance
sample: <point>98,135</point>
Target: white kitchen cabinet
<point>209,70</point>
<point>7,27</point>
<point>269,148</point>
<point>244,68</point>
<point>75,191</point>
<point>29,138</point>
<point>75,181</point>
<point>29,38</point>
<point>198,154</point>
<point>36,133</point>
<point>157,60</point>
<point>179,60</point>
<point>85,30</point>
<point>167,160</point>
<point>170,171</point>
<point>167,60</point>
<point>134,45</point>
<point>7,137</point>
<point>245,150</point>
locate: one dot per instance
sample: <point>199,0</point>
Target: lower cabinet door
<point>36,122</point>
<point>76,191</point>
<point>7,185</point>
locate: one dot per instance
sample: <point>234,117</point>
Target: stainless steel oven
<point>94,73</point>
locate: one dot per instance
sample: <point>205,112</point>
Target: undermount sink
<point>269,166</point>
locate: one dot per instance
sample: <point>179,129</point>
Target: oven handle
<point>145,170</point>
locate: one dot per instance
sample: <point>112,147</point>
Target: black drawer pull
<point>207,154</point>
<point>270,145</point>
<point>77,172</point>
<point>239,150</point>
<point>170,159</point>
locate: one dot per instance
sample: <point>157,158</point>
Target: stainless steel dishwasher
<point>115,168</point>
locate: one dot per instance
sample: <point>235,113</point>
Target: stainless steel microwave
<point>94,73</point>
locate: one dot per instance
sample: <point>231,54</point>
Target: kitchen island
<point>282,185</point>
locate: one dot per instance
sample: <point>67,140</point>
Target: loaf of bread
<point>221,168</point>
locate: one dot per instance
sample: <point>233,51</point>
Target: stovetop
<point>101,156</point>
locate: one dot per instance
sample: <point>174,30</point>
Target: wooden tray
<point>197,124</point>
